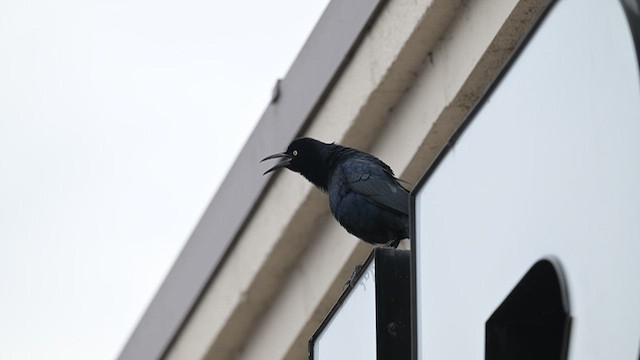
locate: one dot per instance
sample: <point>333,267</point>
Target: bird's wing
<point>378,186</point>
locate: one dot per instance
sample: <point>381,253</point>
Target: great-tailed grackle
<point>364,195</point>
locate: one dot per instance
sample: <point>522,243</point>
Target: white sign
<point>351,330</point>
<point>549,167</point>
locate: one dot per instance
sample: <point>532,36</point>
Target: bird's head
<point>305,156</point>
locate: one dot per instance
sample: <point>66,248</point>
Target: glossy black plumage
<point>364,195</point>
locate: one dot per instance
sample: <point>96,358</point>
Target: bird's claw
<point>392,244</point>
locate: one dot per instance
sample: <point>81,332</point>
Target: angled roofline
<point>296,99</point>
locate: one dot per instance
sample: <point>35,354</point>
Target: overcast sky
<point>118,121</point>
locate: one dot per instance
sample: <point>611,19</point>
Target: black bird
<point>364,195</point>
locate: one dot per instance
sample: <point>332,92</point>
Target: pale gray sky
<point>118,121</point>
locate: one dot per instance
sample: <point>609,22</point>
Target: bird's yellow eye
<point>295,152</point>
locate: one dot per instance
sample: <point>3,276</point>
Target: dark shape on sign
<point>533,322</point>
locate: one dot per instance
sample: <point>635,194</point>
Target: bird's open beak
<point>281,164</point>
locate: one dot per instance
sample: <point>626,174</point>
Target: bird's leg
<point>352,280</point>
<point>392,244</point>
